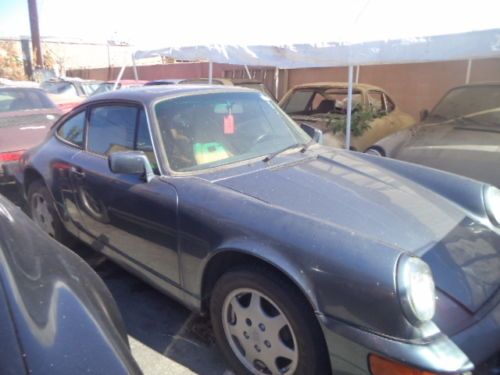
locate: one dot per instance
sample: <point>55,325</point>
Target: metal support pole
<point>35,33</point>
<point>276,82</point>
<point>210,72</point>
<point>349,110</point>
<point>248,72</point>
<point>118,79</point>
<point>467,75</point>
<point>136,75</point>
<point>357,74</point>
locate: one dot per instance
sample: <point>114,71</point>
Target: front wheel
<point>264,326</point>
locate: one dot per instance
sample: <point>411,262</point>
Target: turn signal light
<point>11,156</point>
<point>382,366</point>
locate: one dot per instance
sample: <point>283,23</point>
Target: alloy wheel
<point>258,333</point>
<point>41,214</point>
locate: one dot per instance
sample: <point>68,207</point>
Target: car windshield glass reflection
<point>210,130</point>
<point>320,102</point>
<point>467,100</point>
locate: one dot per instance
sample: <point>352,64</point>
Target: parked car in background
<point>123,84</point>
<point>161,82</point>
<point>308,258</point>
<point>249,83</point>
<point>318,104</point>
<point>69,92</point>
<point>13,83</point>
<point>26,115</point>
<point>56,315</point>
<point>460,135</point>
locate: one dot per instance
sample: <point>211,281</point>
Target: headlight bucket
<point>416,290</point>
<point>492,203</point>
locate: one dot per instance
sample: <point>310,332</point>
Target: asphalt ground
<point>165,337</point>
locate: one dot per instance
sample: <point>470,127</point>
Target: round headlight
<point>492,202</point>
<point>416,290</point>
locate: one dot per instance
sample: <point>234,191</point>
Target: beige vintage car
<point>316,103</point>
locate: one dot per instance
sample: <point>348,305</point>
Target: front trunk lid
<point>347,191</point>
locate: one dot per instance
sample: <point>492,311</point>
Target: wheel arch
<point>239,257</point>
<point>30,175</point>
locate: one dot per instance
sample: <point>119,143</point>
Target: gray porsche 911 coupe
<point>460,135</point>
<point>309,260</point>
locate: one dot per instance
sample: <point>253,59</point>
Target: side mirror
<point>314,133</point>
<point>132,163</point>
<point>424,113</point>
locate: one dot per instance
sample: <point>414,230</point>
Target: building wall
<point>413,86</point>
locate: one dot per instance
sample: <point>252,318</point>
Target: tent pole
<point>467,75</point>
<point>357,74</point>
<point>276,81</point>
<point>136,75</point>
<point>210,71</point>
<point>118,79</point>
<point>349,110</point>
<point>248,72</point>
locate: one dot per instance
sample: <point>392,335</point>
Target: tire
<point>42,210</point>
<point>259,318</point>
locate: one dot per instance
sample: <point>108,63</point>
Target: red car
<point>26,115</point>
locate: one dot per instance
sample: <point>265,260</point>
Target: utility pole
<point>35,33</point>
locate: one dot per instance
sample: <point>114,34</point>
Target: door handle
<point>78,172</point>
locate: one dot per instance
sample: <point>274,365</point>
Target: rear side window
<point>111,129</point>
<point>73,129</point>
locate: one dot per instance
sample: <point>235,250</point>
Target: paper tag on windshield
<point>229,124</point>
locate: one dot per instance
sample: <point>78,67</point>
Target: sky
<point>163,23</point>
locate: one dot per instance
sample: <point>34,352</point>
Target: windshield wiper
<point>304,147</point>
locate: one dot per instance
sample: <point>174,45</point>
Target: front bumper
<point>349,348</point>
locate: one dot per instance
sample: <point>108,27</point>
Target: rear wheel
<point>264,326</point>
<point>43,212</point>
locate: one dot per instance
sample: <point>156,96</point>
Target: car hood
<point>25,129</point>
<point>349,192</point>
<point>453,146</point>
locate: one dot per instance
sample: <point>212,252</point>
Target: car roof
<point>362,86</point>
<point>147,94</point>
<point>20,88</point>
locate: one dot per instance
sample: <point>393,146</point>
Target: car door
<point>68,144</point>
<point>125,217</point>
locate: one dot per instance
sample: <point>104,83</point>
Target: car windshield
<point>463,101</point>
<point>319,102</point>
<point>59,87</point>
<point>12,100</point>
<point>210,130</point>
<point>105,87</point>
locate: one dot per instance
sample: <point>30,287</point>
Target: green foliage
<point>360,121</point>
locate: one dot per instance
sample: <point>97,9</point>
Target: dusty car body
<point>242,82</point>
<point>56,314</point>
<point>302,254</point>
<point>313,103</point>
<point>460,135</point>
<point>26,115</point>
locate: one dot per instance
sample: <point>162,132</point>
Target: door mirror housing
<point>131,163</point>
<point>315,134</point>
<point>424,113</point>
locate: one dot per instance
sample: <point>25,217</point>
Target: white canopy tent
<point>380,32</point>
